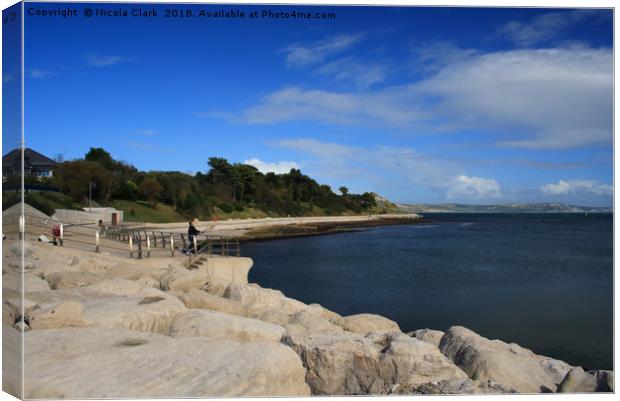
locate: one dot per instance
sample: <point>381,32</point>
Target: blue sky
<point>417,104</point>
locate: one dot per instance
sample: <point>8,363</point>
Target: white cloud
<point>363,75</point>
<point>474,188</point>
<point>577,187</point>
<point>536,99</point>
<point>381,168</point>
<point>549,98</point>
<point>318,148</point>
<point>300,56</point>
<point>545,26</point>
<point>386,106</point>
<point>148,132</point>
<point>433,56</point>
<point>97,60</point>
<point>281,167</point>
<point>148,147</point>
<point>38,73</point>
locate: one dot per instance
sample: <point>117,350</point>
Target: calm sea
<point>544,281</point>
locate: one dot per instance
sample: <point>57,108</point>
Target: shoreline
<point>311,230</point>
<point>285,227</point>
<point>164,311</point>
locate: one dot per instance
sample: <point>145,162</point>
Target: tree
<point>101,156</point>
<point>150,189</point>
<point>73,179</point>
<point>344,190</point>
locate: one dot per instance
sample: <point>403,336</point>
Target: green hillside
<point>224,191</point>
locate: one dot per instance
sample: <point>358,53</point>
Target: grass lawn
<point>141,211</point>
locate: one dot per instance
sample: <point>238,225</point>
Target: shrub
<point>40,203</point>
<point>225,207</point>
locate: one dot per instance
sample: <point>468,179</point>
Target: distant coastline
<point>503,208</point>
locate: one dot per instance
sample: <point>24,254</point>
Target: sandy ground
<point>239,227</point>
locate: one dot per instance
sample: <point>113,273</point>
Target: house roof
<point>32,158</point>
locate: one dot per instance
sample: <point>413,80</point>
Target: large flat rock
<point>68,279</point>
<point>260,301</point>
<point>199,299</point>
<point>428,335</point>
<point>13,281</point>
<point>350,364</point>
<point>178,278</point>
<point>104,363</point>
<point>365,323</point>
<point>206,323</point>
<point>257,299</point>
<point>508,364</point>
<point>142,309</point>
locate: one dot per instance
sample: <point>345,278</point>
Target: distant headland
<point>503,208</point>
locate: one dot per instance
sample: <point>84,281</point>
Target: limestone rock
<point>604,380</point>
<point>428,335</point>
<point>578,381</point>
<point>103,363</point>
<point>13,281</point>
<point>273,316</point>
<point>97,267</point>
<point>347,364</point>
<point>12,309</point>
<point>68,279</point>
<point>15,249</point>
<point>325,313</point>
<point>121,286</point>
<point>508,364</point>
<point>206,323</point>
<point>216,286</point>
<point>63,314</point>
<point>416,361</point>
<point>148,310</point>
<point>11,360</point>
<point>148,282</point>
<point>305,323</point>
<point>341,364</point>
<point>21,326</point>
<point>141,313</point>
<point>365,323</point>
<point>259,300</point>
<point>198,299</point>
<point>180,279</point>
<point>9,315</point>
<point>462,386</point>
<point>231,270</point>
<point>274,307</point>
<point>49,260</point>
<point>133,271</point>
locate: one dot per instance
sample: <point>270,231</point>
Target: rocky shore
<point>100,326</point>
<point>309,229</point>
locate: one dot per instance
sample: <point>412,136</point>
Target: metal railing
<point>131,223</point>
<point>135,241</point>
<point>145,243</point>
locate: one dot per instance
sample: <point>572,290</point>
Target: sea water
<point>544,281</point>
